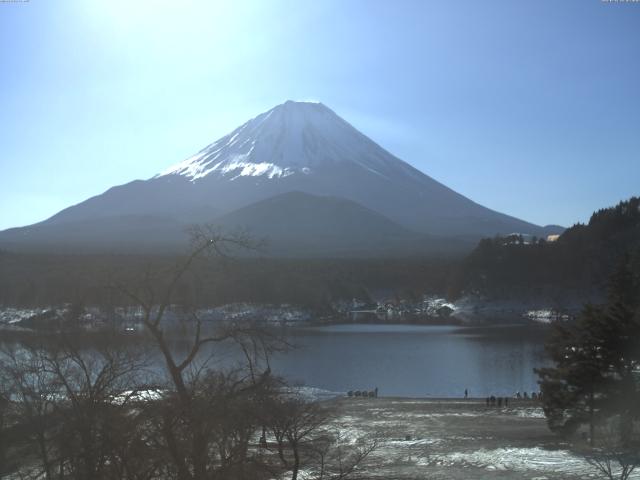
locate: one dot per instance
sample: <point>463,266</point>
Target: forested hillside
<point>576,265</point>
<point>29,280</point>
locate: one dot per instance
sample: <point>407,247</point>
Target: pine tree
<point>573,388</point>
<point>596,363</point>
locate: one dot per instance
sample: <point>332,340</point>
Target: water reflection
<point>401,360</point>
<point>412,360</point>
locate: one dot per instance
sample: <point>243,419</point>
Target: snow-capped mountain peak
<point>291,138</point>
<point>297,170</point>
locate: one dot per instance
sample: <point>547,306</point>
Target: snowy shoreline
<point>458,438</point>
<point>430,311</point>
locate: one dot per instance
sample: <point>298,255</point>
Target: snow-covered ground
<point>533,460</point>
<point>311,394</point>
<point>130,318</point>
<point>456,439</point>
<point>475,308</point>
<point>467,310</point>
<point>10,316</point>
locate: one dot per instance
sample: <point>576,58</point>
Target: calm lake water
<point>401,360</point>
<point>416,361</point>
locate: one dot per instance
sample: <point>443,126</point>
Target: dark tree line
<point>32,280</point>
<point>577,265</point>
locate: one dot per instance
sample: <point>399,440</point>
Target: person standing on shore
<point>466,393</point>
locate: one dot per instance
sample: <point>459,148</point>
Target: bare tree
<point>295,424</point>
<point>71,407</point>
<point>338,459</point>
<point>33,397</point>
<point>304,437</point>
<point>92,408</point>
<point>194,417</point>
<point>615,457</point>
<point>5,406</point>
<point>207,420</point>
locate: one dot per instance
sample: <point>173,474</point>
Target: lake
<point>401,360</point>
<point>416,361</point>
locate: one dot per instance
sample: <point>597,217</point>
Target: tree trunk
<point>296,461</point>
<point>592,427</point>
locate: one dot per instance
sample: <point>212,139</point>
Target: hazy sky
<point>528,107</point>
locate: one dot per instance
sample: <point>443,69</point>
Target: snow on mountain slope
<point>292,138</point>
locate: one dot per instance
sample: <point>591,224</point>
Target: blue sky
<point>528,107</point>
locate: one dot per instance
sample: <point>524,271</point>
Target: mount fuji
<point>300,175</point>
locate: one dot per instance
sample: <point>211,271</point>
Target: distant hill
<point>577,264</point>
<point>298,224</point>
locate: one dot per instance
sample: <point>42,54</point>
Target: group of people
<point>493,401</point>
<point>363,393</point>
<point>525,395</point>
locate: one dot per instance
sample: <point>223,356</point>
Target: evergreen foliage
<point>594,379</point>
<point>577,265</point>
